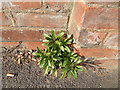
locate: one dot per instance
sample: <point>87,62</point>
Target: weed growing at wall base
<point>59,56</point>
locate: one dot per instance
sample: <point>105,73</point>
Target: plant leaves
<point>74,74</point>
<point>55,73</point>
<point>60,35</point>
<point>46,40</point>
<point>64,63</point>
<point>80,69</point>
<point>47,36</point>
<point>46,70</point>
<point>37,54</point>
<point>66,69</point>
<point>67,48</point>
<point>62,48</point>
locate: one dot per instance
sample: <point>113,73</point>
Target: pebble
<point>10,75</point>
<point>19,61</point>
<point>47,81</point>
<point>21,53</point>
<point>19,56</point>
<point>48,86</point>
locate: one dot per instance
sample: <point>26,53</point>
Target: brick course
<point>40,20</point>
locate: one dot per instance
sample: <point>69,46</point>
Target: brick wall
<point>27,21</point>
<point>95,29</point>
<point>93,24</point>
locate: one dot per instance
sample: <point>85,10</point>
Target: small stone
<point>56,86</point>
<point>10,75</point>
<point>34,60</point>
<point>47,81</point>
<point>19,56</point>
<point>29,57</point>
<point>30,50</point>
<point>19,61</point>
<point>20,53</point>
<point>48,86</point>
<point>29,53</point>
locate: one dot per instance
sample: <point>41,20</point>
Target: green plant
<point>58,56</point>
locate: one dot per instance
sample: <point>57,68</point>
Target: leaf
<point>79,61</point>
<point>80,69</point>
<point>57,42</point>
<point>45,44</point>
<point>46,70</point>
<point>46,40</point>
<point>60,35</point>
<point>69,41</point>
<point>67,38</point>
<point>51,71</point>
<point>47,36</point>
<point>49,63</point>
<point>41,63</point>
<point>55,73</point>
<point>74,73</point>
<point>60,64</point>
<point>67,48</point>
<point>47,53</point>
<point>38,49</point>
<point>66,69</point>
<point>64,63</point>
<point>53,33</point>
<point>63,75</point>
<point>62,48</point>
<point>37,54</point>
<point>69,74</point>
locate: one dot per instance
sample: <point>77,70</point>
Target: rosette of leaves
<point>58,56</point>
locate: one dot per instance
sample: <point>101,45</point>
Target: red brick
<point>29,45</point>
<point>108,63</point>
<point>30,19</point>
<point>21,5</point>
<point>104,3</point>
<point>18,35</point>
<point>34,45</point>
<point>9,43</point>
<point>72,27</point>
<point>23,35</point>
<point>91,38</point>
<point>57,6</point>
<point>78,12</point>
<point>98,52</point>
<point>111,40</point>
<point>5,20</point>
<point>100,18</point>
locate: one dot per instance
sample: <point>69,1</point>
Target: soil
<point>18,60</point>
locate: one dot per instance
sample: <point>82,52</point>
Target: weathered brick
<point>102,4</point>
<point>18,35</point>
<point>87,38</point>
<point>41,20</point>
<point>23,35</point>
<point>78,12</point>
<point>98,52</point>
<point>34,45</point>
<point>57,6</point>
<point>111,40</point>
<point>5,20</point>
<point>108,63</point>
<point>101,18</point>
<point>7,44</point>
<point>21,5</point>
<point>29,45</point>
